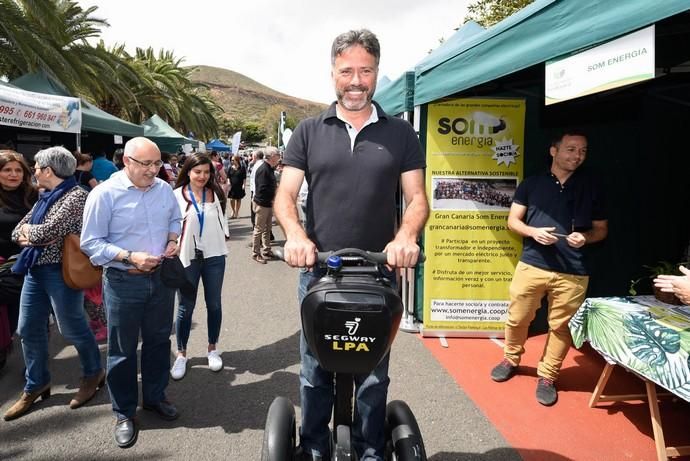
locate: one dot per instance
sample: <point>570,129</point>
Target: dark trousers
<point>137,303</point>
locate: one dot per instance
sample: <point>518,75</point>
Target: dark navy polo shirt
<point>352,191</point>
<point>571,206</point>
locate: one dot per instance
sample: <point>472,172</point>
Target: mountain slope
<point>245,99</point>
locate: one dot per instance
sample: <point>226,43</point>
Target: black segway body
<point>349,318</point>
<point>350,321</point>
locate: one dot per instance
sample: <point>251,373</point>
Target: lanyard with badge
<point>199,214</point>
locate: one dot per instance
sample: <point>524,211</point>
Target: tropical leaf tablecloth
<point>641,333</point>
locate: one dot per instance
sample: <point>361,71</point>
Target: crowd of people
<point>477,191</point>
<point>131,216</point>
<point>136,219</point>
<point>142,211</point>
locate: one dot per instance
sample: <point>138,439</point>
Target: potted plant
<point>661,267</point>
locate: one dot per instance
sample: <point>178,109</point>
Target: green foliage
<point>489,12</point>
<point>649,341</point>
<point>50,36</point>
<point>661,267</point>
<point>271,120</point>
<point>251,132</point>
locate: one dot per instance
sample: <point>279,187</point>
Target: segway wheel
<point>279,434</point>
<point>343,449</point>
<point>403,437</point>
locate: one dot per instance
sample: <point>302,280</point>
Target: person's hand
<point>299,252</point>
<point>676,284</point>
<point>402,251</point>
<point>576,240</point>
<point>23,239</point>
<point>144,261</point>
<point>171,249</point>
<point>544,236</point>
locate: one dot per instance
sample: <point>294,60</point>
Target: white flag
<point>236,142</point>
<point>287,132</point>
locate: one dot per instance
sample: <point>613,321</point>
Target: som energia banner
<point>475,151</point>
<point>38,111</point>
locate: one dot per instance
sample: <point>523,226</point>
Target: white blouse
<point>212,241</point>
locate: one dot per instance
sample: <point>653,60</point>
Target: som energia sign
<point>38,111</point>
<point>620,62</point>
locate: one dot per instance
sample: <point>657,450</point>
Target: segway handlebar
<point>349,256</point>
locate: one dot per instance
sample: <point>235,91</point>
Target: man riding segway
<point>353,157</point>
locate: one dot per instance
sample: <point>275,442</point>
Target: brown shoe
<point>259,259</point>
<point>24,403</point>
<point>87,389</point>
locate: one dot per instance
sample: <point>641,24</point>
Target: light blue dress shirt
<point>119,217</point>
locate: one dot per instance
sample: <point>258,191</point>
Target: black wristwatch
<point>126,260</point>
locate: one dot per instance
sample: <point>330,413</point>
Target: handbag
<point>173,274</point>
<point>10,283</point>
<point>77,270</point>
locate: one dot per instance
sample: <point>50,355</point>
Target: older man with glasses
<point>131,222</point>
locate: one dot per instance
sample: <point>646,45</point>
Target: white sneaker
<point>215,363</point>
<point>179,368</point>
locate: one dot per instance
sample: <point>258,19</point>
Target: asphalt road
<point>223,414</point>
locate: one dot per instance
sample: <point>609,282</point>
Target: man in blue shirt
<point>102,168</point>
<point>557,214</point>
<point>131,222</point>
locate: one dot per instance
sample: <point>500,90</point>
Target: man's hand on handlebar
<point>402,252</point>
<point>300,252</point>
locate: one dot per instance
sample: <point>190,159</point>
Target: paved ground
<point>223,413</point>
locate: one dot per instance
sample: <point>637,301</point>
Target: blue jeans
<point>137,303</point>
<point>210,271</point>
<point>44,288</point>
<point>316,392</point>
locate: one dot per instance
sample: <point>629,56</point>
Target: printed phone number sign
<point>38,111</point>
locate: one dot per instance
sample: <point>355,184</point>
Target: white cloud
<point>284,45</point>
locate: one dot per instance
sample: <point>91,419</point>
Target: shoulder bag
<point>77,270</point>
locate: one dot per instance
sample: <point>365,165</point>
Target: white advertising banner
<point>620,62</point>
<point>236,138</point>
<point>38,111</point>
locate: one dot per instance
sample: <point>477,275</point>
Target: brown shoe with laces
<point>87,389</point>
<point>25,401</point>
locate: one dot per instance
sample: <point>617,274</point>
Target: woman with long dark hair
<point>202,252</point>
<point>17,196</point>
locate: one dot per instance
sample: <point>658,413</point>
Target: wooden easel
<point>662,451</point>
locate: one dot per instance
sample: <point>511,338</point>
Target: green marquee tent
<point>165,136</point>
<point>397,96</point>
<point>93,118</point>
<point>544,30</point>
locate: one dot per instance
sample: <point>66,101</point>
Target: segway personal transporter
<point>349,319</point>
